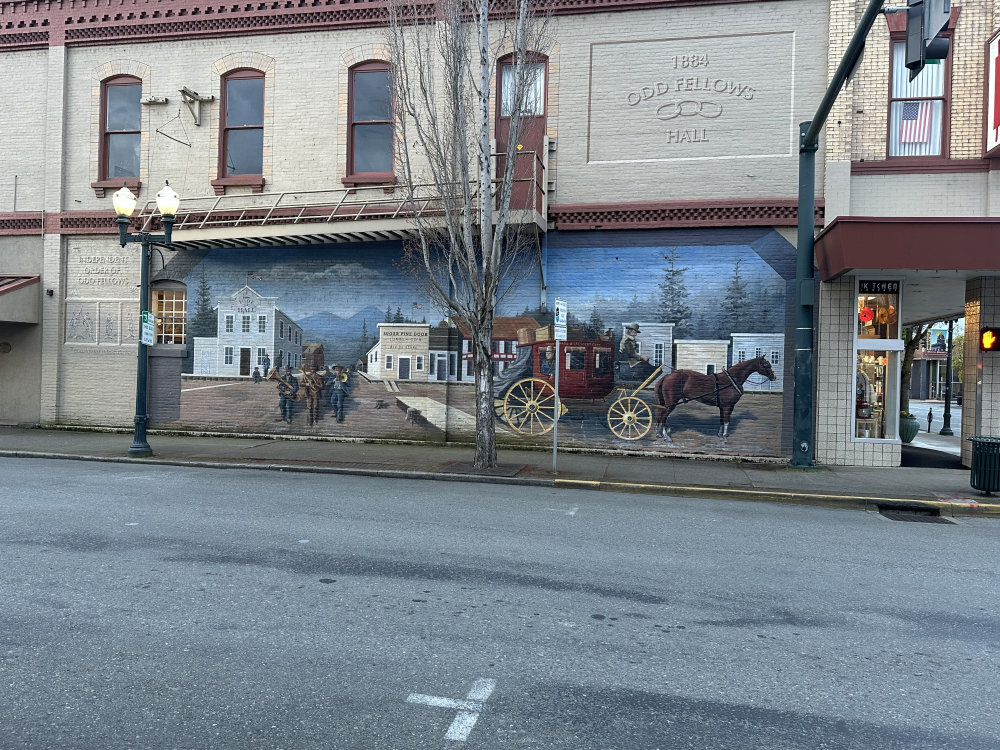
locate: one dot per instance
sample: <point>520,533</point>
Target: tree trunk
<point>911,340</point>
<point>482,363</point>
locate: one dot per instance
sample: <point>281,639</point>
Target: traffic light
<point>989,339</point>
<point>926,20</point>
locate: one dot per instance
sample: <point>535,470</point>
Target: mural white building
<point>251,327</point>
<point>751,345</point>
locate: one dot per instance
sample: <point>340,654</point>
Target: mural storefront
<point>676,344</point>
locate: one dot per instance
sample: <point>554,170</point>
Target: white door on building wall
<point>244,361</point>
<point>404,368</point>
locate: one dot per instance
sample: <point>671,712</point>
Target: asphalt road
<point>154,607</point>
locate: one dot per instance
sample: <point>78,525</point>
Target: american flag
<point>915,123</point>
<point>418,306</point>
<point>254,276</point>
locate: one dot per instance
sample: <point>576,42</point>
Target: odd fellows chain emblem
<point>686,101</point>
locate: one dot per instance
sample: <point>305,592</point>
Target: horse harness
<point>718,389</point>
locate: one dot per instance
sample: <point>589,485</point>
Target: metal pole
<point>140,446</point>
<point>803,451</point>
<point>946,430</point>
<point>555,424</point>
<point>802,408</point>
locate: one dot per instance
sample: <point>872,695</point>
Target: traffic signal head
<point>926,20</point>
<point>989,340</point>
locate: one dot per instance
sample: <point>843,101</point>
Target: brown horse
<point>721,389</point>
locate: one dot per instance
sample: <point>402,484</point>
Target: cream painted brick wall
<point>961,194</point>
<point>835,384</point>
<point>660,174</point>
<point>24,147</point>
<point>306,98</point>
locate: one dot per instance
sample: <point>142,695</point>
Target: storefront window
<point>877,358</point>
<point>876,390</point>
<point>878,303</point>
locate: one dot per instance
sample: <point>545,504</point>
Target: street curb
<point>825,500</point>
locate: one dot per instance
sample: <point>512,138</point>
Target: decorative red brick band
<point>21,222</point>
<point>779,212</point>
<point>132,21</point>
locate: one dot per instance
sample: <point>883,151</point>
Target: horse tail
<point>658,390</point>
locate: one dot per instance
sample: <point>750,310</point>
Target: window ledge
<point>132,183</point>
<point>919,165</point>
<point>253,181</point>
<point>369,178</point>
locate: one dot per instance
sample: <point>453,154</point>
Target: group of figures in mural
<point>312,389</point>
<point>670,376</point>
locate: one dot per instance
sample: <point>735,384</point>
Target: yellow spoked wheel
<point>530,406</point>
<point>630,418</point>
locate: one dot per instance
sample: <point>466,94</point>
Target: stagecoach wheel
<point>630,418</point>
<point>530,406</point>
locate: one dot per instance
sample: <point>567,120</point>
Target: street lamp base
<point>140,446</point>
<point>946,431</point>
<point>140,451</point>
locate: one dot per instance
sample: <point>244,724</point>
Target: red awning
<point>891,243</point>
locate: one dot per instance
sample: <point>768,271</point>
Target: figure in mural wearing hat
<point>634,365</point>
<point>312,381</point>
<point>337,383</point>
<point>288,394</point>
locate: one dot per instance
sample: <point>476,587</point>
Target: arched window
<point>370,125</point>
<point>241,129</point>
<point>121,128</point>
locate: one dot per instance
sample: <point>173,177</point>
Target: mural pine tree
<point>736,305</point>
<point>673,297</point>
<point>204,322</point>
<point>388,314</point>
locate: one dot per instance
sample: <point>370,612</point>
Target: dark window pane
<point>245,151</point>
<point>124,111</point>
<point>123,155</point>
<point>372,101</point>
<point>244,102</point>
<point>373,148</point>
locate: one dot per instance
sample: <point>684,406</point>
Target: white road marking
<point>571,512</point>
<point>468,709</point>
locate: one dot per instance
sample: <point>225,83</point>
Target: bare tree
<point>912,336</point>
<point>470,248</point>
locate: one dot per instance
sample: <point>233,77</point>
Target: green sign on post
<point>148,328</point>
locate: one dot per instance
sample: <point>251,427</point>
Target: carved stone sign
<point>697,97</point>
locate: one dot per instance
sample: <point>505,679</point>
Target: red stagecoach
<point>586,374</point>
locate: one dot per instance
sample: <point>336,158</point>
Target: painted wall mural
<point>677,344</point>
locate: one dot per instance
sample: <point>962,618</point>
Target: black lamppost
<point>167,202</point>
<point>946,429</point>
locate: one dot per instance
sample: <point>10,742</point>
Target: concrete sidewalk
<point>945,489</point>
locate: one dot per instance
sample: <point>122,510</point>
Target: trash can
<point>985,474</point>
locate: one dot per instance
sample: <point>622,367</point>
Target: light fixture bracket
<point>193,100</point>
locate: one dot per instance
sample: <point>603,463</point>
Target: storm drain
<point>919,514</point>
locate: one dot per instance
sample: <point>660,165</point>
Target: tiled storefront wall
<point>981,387</point>
<point>835,383</point>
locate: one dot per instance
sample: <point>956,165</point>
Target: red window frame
<point>254,181</point>
<point>103,180</point>
<point>353,178</point>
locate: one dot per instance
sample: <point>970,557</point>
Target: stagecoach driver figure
<point>639,367</point>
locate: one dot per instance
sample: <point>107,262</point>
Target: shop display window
<point>876,388</point>
<point>878,305</point>
<point>878,350</point>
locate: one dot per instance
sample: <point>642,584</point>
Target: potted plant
<point>909,426</point>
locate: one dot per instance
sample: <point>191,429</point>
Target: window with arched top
<point>241,127</point>
<point>121,128</point>
<point>370,124</point>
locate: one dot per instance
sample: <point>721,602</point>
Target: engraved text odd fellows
<point>696,85</point>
